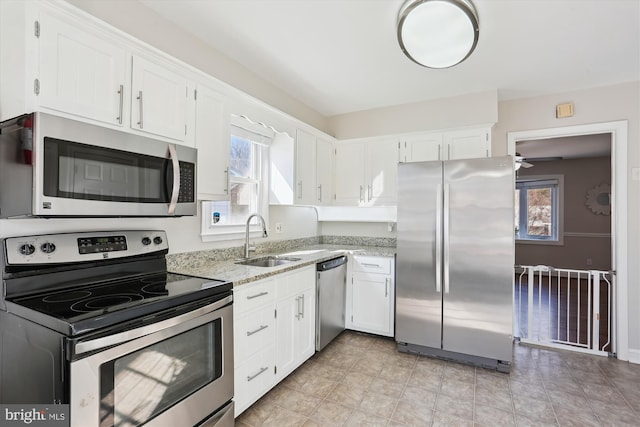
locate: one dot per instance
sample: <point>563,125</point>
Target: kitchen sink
<point>268,261</point>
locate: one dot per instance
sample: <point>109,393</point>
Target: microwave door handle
<point>173,155</point>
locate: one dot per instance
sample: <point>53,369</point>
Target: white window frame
<point>261,136</point>
<point>557,213</point>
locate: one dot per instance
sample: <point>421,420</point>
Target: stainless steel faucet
<point>247,247</point>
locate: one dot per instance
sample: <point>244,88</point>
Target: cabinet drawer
<point>372,264</point>
<point>253,332</point>
<point>295,282</point>
<point>253,378</point>
<point>251,296</point>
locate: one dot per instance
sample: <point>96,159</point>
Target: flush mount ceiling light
<point>438,33</point>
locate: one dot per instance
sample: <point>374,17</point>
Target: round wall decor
<point>599,199</point>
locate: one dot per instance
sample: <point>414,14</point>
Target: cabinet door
<point>288,312</point>
<point>371,299</point>
<point>422,148</point>
<point>382,172</point>
<point>159,103</point>
<point>349,173</point>
<point>80,72</point>
<point>305,168</point>
<point>324,171</point>
<point>467,144</point>
<point>295,326</point>
<point>212,141</point>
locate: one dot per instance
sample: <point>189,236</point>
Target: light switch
<point>635,174</point>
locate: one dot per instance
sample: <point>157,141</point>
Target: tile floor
<point>361,380</point>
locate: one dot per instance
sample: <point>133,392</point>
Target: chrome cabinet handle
<point>439,152</point>
<point>173,155</point>
<point>302,305</point>
<point>320,192</point>
<point>140,122</point>
<point>299,189</point>
<point>121,93</point>
<point>257,295</point>
<point>369,193</point>
<point>372,265</point>
<point>361,194</point>
<point>226,171</point>
<point>386,287</point>
<point>251,377</point>
<point>261,328</point>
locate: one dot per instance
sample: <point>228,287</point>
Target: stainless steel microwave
<point>77,169</point>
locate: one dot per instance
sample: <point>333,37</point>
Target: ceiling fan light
<point>438,33</point>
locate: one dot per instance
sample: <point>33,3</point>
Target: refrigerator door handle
<point>445,219</point>
<point>438,263</point>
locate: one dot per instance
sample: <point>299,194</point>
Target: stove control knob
<point>146,241</point>
<point>27,249</point>
<point>48,247</point>
<point>157,240</point>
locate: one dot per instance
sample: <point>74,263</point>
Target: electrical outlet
<point>278,227</point>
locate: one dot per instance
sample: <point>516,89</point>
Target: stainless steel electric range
<point>96,321</point>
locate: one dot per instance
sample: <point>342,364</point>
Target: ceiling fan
<point>521,162</point>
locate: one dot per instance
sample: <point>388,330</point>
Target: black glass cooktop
<point>103,304</point>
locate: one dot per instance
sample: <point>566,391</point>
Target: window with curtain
<point>538,209</point>
<point>248,183</point>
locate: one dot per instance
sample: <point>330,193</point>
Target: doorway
<point>616,134</point>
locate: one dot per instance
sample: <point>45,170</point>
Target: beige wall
<point>137,20</point>
<point>594,242</point>
<point>460,111</point>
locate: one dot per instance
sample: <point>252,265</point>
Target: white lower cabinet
<point>371,295</point>
<point>274,332</point>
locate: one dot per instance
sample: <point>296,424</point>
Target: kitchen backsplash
<point>202,258</point>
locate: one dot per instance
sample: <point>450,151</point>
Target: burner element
<point>104,302</point>
<point>66,296</point>
<point>156,288</point>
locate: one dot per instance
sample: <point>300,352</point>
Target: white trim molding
<point>619,222</point>
<point>634,356</point>
<point>587,235</point>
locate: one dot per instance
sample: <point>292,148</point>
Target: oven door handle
<point>122,337</point>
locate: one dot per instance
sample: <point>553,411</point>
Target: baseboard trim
<point>634,356</point>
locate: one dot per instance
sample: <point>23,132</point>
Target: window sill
<point>559,242</point>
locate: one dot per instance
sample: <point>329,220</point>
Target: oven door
<point>178,371</point>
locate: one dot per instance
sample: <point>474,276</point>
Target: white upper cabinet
<point>349,171</point>
<point>366,172</point>
<point>212,141</point>
<point>451,145</point>
<point>160,100</point>
<point>305,168</point>
<point>80,72</point>
<point>468,144</point>
<point>324,171</point>
<point>421,148</point>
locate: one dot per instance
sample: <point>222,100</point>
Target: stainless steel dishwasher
<point>331,288</point>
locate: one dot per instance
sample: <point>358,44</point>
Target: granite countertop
<point>239,274</point>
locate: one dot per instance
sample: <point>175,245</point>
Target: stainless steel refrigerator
<point>455,257</point>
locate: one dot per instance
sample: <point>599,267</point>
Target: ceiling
<point>568,147</point>
<point>341,56</point>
